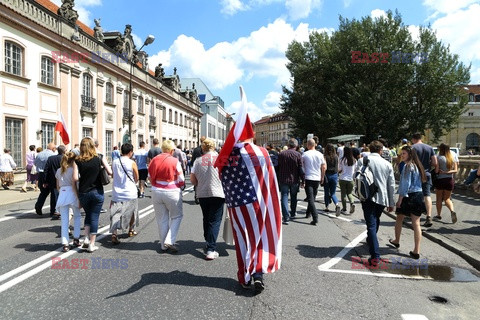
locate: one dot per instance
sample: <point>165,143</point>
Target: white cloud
<point>377,13</point>
<point>447,6</point>
<point>475,75</point>
<point>231,7</point>
<point>299,9</point>
<point>347,3</point>
<point>137,40</point>
<point>261,54</point>
<point>460,29</point>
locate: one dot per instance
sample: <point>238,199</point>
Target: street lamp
<point>148,41</point>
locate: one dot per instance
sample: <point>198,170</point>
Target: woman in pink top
<point>166,176</point>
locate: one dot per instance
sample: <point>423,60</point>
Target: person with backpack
<point>373,202</point>
<point>410,198</point>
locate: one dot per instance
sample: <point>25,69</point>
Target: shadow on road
<point>183,278</point>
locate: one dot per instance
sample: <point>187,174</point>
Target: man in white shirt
<point>340,150</point>
<point>315,167</point>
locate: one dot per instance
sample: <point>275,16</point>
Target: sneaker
<point>293,216</point>
<point>86,243</point>
<point>428,222</point>
<point>285,222</point>
<point>337,210</point>
<point>103,210</point>
<point>92,247</point>
<point>343,211</point>
<point>313,223</point>
<point>211,255</point>
<point>326,209</point>
<point>171,247</point>
<point>259,285</point>
<point>142,195</point>
<point>247,285</point>
<point>454,216</point>
<point>352,208</point>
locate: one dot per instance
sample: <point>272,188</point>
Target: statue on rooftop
<point>159,71</point>
<point>98,31</point>
<point>66,11</point>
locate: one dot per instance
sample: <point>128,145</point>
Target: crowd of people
<point>74,180</point>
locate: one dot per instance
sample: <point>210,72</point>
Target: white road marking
<point>413,317</point>
<point>144,212</point>
<point>328,214</point>
<point>342,253</point>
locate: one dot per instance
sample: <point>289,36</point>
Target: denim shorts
<point>427,186</point>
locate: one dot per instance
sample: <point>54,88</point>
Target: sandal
<point>76,243</point>
<point>66,248</point>
<point>115,239</point>
<point>132,233</point>
<point>396,245</point>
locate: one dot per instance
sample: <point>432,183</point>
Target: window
<point>13,58</point>
<point>170,115</point>
<point>176,117</point>
<point>470,114</point>
<point>140,105</point>
<point>108,144</point>
<point>152,108</point>
<point>47,134</point>
<point>47,71</point>
<point>164,114</point>
<point>473,141</point>
<point>181,119</point>
<point>126,99</point>
<point>87,85</point>
<point>140,138</point>
<point>87,132</point>
<point>13,139</point>
<point>109,93</point>
<point>471,97</point>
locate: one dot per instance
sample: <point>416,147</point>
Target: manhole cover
<point>438,299</point>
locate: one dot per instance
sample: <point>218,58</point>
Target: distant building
<point>274,129</point>
<point>214,118</point>
<point>466,135</point>
<point>53,64</point>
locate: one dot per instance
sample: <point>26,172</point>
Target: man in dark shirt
<point>53,163</point>
<point>154,151</point>
<point>273,156</point>
<point>427,156</point>
<point>290,172</point>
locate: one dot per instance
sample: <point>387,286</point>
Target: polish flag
<point>241,130</point>
<point>61,127</point>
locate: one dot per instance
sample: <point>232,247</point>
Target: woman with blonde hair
<point>210,194</point>
<point>87,169</point>
<point>68,198</point>
<point>445,183</point>
<point>166,176</point>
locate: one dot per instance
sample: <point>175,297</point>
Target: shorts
<point>427,186</point>
<point>413,204</point>
<point>142,174</point>
<point>444,184</point>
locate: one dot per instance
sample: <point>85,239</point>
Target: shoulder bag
<point>138,189</point>
<point>104,177</point>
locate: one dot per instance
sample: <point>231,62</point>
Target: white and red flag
<point>61,128</point>
<point>251,193</point>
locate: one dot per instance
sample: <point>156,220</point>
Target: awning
<point>346,137</point>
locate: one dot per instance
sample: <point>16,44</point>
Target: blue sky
<point>228,43</point>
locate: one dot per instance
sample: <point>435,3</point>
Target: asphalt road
<point>135,280</point>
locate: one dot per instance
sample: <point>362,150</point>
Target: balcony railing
<point>88,104</point>
<point>153,121</point>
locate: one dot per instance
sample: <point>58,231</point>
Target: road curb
<point>468,255</point>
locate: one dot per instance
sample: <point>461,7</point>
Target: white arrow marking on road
<point>329,215</point>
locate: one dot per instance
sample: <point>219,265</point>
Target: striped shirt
<point>290,167</point>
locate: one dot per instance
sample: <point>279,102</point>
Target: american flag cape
<point>251,194</point>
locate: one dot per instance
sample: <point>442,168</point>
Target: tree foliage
<point>331,96</point>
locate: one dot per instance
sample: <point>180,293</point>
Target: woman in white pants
<point>68,199</point>
<point>166,176</point>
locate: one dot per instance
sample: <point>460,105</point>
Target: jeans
<point>329,188</point>
<point>372,213</point>
<point>285,189</point>
<point>311,188</point>
<point>168,206</point>
<point>346,189</point>
<point>212,209</point>
<point>77,221</point>
<point>471,177</point>
<point>44,192</point>
<point>92,203</point>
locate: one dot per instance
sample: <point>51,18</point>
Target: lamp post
<point>148,41</point>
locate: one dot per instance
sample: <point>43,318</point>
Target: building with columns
<point>52,65</point>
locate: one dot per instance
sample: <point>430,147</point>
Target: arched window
<point>473,141</point>
<point>13,58</point>
<point>109,93</point>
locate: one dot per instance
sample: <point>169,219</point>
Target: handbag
<point>227,230</point>
<point>33,170</point>
<point>104,177</point>
<point>138,189</point>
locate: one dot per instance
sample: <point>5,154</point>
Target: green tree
<point>330,95</point>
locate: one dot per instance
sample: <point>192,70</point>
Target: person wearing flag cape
<point>251,193</point>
